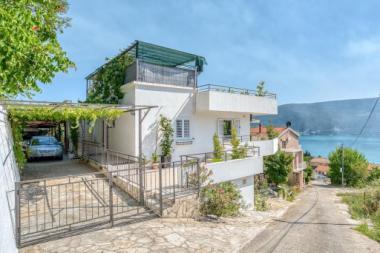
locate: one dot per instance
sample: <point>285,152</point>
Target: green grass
<point>358,208</point>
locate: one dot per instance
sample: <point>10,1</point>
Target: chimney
<point>288,124</point>
<point>259,128</point>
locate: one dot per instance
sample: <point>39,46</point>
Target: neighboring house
<point>288,141</point>
<point>168,79</point>
<point>317,161</point>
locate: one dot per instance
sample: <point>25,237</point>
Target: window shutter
<point>179,129</point>
<point>186,128</point>
<point>220,127</point>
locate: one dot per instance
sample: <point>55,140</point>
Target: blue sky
<point>306,51</point>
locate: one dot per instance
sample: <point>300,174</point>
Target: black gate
<point>120,192</point>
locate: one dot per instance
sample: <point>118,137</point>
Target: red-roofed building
<point>288,141</point>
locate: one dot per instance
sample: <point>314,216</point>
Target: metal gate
<point>122,192</point>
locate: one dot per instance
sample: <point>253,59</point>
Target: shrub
<point>288,193</point>
<point>308,172</point>
<point>218,148</point>
<point>261,203</point>
<point>355,166</point>
<point>235,142</point>
<point>374,175</point>
<point>271,132</point>
<point>222,199</point>
<point>277,167</point>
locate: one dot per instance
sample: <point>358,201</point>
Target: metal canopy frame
<point>159,55</point>
<point>56,105</point>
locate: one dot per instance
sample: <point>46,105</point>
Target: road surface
<point>317,222</point>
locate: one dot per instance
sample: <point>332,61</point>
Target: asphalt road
<point>317,222</point>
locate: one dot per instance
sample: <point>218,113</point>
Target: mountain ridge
<point>328,117</point>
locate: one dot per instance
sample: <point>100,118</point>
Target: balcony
<point>226,168</point>
<point>219,98</point>
<point>266,147</point>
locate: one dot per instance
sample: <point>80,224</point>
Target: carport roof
<point>55,105</point>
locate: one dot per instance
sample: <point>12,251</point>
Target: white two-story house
<point>168,80</point>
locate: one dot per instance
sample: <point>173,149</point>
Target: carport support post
<point>141,170</point>
<point>17,214</point>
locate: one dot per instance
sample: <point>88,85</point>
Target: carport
<point>60,117</point>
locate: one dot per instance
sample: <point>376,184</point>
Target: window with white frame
<point>182,129</point>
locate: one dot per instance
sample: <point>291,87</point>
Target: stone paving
<point>169,235</point>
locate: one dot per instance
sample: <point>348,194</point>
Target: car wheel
<point>60,158</point>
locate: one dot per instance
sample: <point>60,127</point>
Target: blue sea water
<point>323,144</point>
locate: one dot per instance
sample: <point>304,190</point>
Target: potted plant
<point>155,162</point>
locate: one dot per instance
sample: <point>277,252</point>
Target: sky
<point>305,51</point>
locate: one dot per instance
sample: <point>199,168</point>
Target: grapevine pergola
<point>22,111</point>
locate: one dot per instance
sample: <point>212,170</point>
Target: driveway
<point>317,222</point>
<point>47,169</point>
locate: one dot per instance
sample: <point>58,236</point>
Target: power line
<point>366,122</point>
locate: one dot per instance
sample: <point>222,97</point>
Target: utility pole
<point>342,168</point>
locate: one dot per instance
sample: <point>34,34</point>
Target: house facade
<point>167,80</point>
<point>288,141</point>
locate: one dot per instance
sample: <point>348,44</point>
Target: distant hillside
<point>332,117</point>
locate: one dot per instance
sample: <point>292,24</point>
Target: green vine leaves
<point>19,115</point>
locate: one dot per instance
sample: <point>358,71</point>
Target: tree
<point>29,49</point>
<point>355,166</point>
<point>271,132</point>
<point>260,89</point>
<point>278,166</point>
<point>218,148</point>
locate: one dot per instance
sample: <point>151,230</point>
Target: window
<point>182,129</point>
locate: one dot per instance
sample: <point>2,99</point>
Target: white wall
<point>174,103</point>
<point>240,172</point>
<point>235,102</point>
<point>267,147</point>
<point>8,176</point>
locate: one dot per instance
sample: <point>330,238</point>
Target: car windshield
<point>46,140</point>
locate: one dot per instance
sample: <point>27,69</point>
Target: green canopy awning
<point>162,56</point>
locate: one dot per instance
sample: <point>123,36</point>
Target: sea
<point>322,145</point>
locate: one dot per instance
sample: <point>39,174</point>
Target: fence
<point>225,155</point>
<point>122,191</point>
<point>227,89</point>
<point>242,138</point>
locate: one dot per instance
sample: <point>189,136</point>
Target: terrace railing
<point>226,155</point>
<point>227,89</point>
<point>242,139</point>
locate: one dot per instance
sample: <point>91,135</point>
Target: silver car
<point>44,146</point>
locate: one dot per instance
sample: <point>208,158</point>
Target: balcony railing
<point>151,73</point>
<point>226,155</point>
<point>227,89</point>
<point>227,139</point>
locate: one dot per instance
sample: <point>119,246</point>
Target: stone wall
<point>8,176</point>
<point>184,207</point>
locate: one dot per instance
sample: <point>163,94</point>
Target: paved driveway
<point>318,222</point>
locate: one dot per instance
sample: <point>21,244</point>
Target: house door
<point>225,127</point>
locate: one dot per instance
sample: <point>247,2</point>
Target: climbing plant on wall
<point>106,82</point>
<point>19,115</point>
